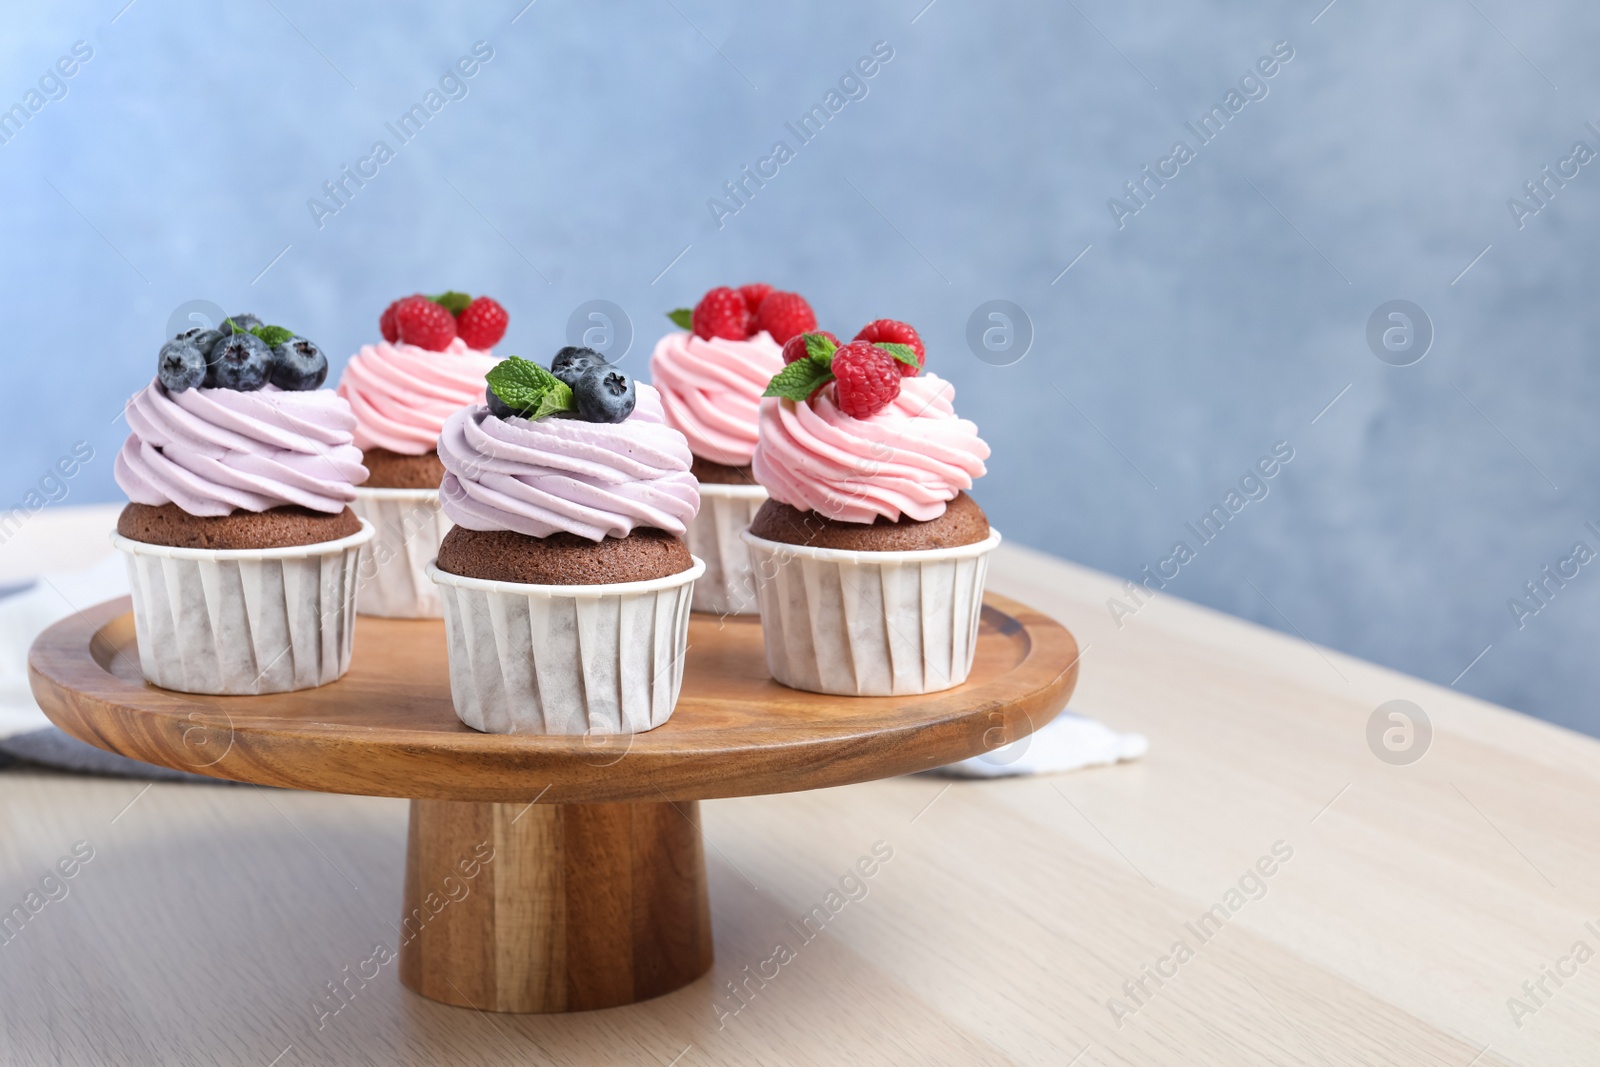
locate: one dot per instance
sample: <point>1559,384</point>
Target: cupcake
<point>711,374</point>
<point>870,557</point>
<point>565,580</point>
<point>429,365</point>
<point>241,546</point>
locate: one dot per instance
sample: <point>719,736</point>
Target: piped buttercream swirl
<point>909,459</point>
<point>546,476</point>
<point>402,394</point>
<point>215,451</point>
<point>711,391</point>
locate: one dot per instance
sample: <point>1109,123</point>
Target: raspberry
<point>482,323</point>
<point>867,379</point>
<point>386,325</point>
<point>897,333</point>
<point>753,294</point>
<point>795,347</point>
<point>722,313</point>
<point>419,321</point>
<point>784,315</point>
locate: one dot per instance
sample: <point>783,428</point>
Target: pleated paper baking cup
<point>394,580</point>
<point>727,588</point>
<point>566,659</point>
<point>238,622</point>
<point>869,623</point>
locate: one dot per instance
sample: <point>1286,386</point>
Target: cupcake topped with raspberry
<point>712,371</point>
<point>859,449</point>
<point>430,364</point>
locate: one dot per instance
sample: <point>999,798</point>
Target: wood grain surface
<point>1419,898</point>
<point>553,907</point>
<point>388,729</point>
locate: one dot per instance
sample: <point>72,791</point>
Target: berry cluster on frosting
<point>580,384</point>
<point>243,355</point>
<point>432,322</point>
<point>739,314</point>
<point>866,373</point>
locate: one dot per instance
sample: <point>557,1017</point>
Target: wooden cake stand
<point>549,873</point>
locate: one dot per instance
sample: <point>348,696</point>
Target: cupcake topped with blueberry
<point>566,475</point>
<point>430,363</point>
<point>860,449</point>
<point>711,372</point>
<point>236,445</point>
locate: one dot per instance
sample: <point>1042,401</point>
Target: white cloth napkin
<point>25,615</point>
<point>1068,743</point>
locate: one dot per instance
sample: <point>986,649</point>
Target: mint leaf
<point>533,391</point>
<point>683,318</point>
<point>819,347</point>
<point>558,399</point>
<point>800,379</point>
<point>452,301</point>
<point>904,353</point>
<point>272,336</point>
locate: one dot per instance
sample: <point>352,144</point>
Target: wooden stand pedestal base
<point>553,907</point>
<point>595,897</point>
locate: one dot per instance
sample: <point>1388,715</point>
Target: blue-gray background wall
<point>1220,319</point>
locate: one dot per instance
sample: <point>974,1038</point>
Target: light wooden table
<point>1418,899</point>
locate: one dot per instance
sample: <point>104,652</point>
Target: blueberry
<point>240,361</point>
<point>181,365</point>
<point>244,322</point>
<point>571,363</point>
<point>604,394</point>
<point>298,365</point>
<point>497,407</point>
<point>201,337</point>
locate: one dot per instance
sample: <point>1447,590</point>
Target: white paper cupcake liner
<point>394,580</point>
<point>244,621</point>
<point>869,623</point>
<point>566,659</point>
<point>728,588</point>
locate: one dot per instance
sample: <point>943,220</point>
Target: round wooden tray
<point>387,728</point>
<point>594,892</point>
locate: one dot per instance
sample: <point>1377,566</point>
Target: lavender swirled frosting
<point>553,475</point>
<point>215,451</point>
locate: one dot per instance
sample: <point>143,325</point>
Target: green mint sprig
<point>682,318</point>
<point>803,377</point>
<point>530,389</point>
<point>452,301</point>
<point>271,336</point>
<point>904,353</point>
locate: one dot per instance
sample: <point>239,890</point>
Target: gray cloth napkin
<point>50,747</point>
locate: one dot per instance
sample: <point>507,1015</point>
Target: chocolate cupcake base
<point>285,527</point>
<point>570,658</point>
<point>392,470</point>
<point>709,473</point>
<point>240,621</point>
<point>562,558</point>
<point>869,623</point>
<point>726,508</point>
<point>963,523</point>
<point>410,525</point>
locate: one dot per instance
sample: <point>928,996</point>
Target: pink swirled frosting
<point>546,476</point>
<point>711,391</point>
<point>402,394</point>
<point>909,459</point>
<point>215,451</point>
